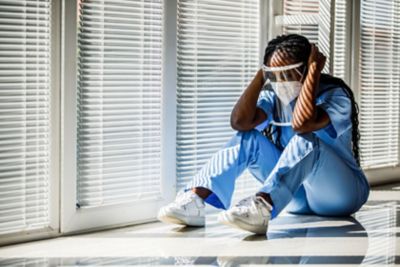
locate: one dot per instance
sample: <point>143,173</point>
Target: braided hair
<point>298,48</point>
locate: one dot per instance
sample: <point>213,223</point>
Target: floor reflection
<point>375,225</point>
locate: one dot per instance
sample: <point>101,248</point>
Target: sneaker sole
<point>225,219</point>
<point>191,221</point>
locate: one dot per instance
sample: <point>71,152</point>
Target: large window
<point>379,65</point>
<point>119,101</point>
<point>218,55</point>
<point>146,90</point>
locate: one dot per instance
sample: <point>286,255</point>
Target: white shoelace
<point>244,205</point>
<point>185,198</point>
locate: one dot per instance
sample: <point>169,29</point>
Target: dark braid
<point>336,82</point>
<point>298,48</point>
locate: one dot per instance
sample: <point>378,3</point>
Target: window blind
<point>340,51</point>
<point>24,115</point>
<point>311,18</point>
<point>218,55</point>
<point>119,101</point>
<point>379,82</point>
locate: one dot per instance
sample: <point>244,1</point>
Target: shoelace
<point>184,198</point>
<point>252,202</point>
<point>242,207</point>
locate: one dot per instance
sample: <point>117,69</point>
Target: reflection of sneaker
<point>239,261</point>
<point>187,209</point>
<point>251,214</point>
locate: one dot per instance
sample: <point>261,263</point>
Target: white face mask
<point>287,91</point>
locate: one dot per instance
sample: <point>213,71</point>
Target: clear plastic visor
<point>283,74</point>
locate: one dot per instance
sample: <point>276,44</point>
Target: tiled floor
<point>368,238</point>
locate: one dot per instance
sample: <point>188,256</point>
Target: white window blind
<point>380,82</point>
<point>218,55</point>
<point>119,101</point>
<point>312,18</point>
<point>24,115</point>
<point>340,50</point>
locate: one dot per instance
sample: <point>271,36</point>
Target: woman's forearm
<point>305,110</point>
<point>244,111</point>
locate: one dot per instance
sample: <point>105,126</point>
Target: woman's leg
<point>299,203</point>
<point>330,187</point>
<point>334,189</point>
<point>244,149</point>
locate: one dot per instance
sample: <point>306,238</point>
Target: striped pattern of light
<point>311,18</point>
<point>340,51</point>
<point>24,114</point>
<point>380,83</point>
<point>218,55</point>
<point>119,101</point>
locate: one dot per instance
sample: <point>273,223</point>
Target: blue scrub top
<point>337,134</point>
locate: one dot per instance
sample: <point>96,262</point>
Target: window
<point>218,55</point>
<point>119,101</point>
<point>147,88</point>
<point>379,64</point>
<point>113,113</point>
<point>25,116</point>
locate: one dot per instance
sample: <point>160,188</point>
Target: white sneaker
<point>187,209</point>
<point>251,214</point>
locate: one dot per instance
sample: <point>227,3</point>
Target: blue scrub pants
<point>307,177</point>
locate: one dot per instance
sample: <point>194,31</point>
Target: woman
<point>307,156</point>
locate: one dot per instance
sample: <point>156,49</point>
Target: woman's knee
<point>303,141</point>
<point>241,136</point>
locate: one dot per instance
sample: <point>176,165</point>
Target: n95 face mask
<point>283,81</point>
<point>287,91</point>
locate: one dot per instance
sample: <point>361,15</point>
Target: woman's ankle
<point>202,192</point>
<point>266,197</point>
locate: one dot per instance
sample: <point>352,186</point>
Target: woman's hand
<point>245,114</point>
<point>306,116</point>
<point>317,58</point>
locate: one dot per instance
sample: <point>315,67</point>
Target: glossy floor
<point>370,237</point>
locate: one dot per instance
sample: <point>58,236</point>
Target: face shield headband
<point>282,73</point>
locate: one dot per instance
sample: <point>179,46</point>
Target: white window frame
<point>52,230</point>
<point>376,175</point>
<point>75,220</point>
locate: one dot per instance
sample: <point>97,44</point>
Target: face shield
<point>285,82</point>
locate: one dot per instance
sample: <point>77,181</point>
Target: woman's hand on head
<point>317,58</point>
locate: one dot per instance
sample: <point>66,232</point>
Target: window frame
<point>52,230</point>
<point>378,175</point>
<point>75,220</point>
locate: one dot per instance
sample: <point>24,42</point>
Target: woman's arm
<point>245,114</point>
<point>307,117</point>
